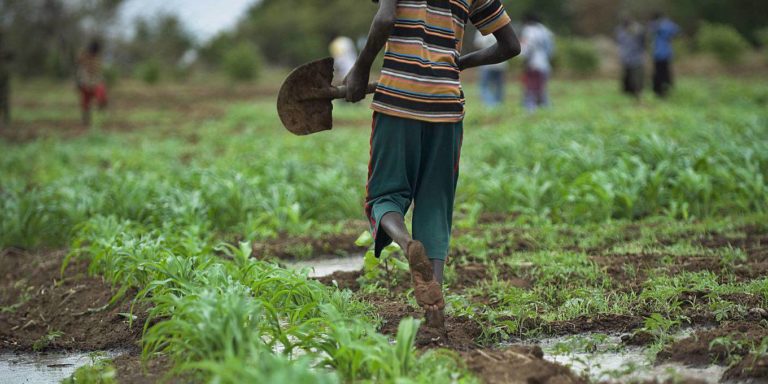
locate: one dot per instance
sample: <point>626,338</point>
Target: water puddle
<point>603,358</point>
<point>22,368</point>
<point>325,267</point>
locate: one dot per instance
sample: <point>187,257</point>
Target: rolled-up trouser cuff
<point>380,237</point>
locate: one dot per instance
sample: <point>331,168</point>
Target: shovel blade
<point>300,112</point>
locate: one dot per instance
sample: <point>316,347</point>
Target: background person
<point>344,55</point>
<point>630,37</point>
<point>663,31</point>
<point>5,84</point>
<point>90,80</point>
<point>491,76</point>
<point>538,45</point>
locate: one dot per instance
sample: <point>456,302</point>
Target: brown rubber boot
<point>427,291</point>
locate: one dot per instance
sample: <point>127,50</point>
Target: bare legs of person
<point>426,288</point>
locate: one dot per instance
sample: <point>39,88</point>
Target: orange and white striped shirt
<point>420,77</point>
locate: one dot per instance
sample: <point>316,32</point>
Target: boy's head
<point>657,15</point>
<point>94,47</point>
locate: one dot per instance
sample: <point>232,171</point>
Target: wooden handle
<point>340,92</point>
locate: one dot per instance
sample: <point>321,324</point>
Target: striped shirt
<point>420,76</point>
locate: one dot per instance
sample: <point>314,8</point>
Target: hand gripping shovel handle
<point>339,92</point>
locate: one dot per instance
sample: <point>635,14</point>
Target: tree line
<point>45,35</point>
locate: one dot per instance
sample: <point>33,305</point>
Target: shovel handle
<point>340,92</point>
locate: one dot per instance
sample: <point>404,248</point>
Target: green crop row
<point>224,317</point>
<point>242,177</point>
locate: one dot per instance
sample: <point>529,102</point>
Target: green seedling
<point>46,340</point>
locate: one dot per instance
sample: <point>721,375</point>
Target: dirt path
<point>43,311</point>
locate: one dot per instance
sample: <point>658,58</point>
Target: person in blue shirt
<point>663,31</point>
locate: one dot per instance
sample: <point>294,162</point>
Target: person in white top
<point>538,46</point>
<point>344,56</point>
<point>491,76</point>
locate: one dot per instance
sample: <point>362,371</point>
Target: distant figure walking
<point>630,36</point>
<point>538,44</point>
<point>90,80</point>
<point>5,84</point>
<point>663,31</point>
<point>344,56</point>
<point>491,76</point>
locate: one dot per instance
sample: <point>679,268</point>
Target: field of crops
<point>164,232</point>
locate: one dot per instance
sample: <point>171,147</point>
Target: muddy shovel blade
<point>304,103</point>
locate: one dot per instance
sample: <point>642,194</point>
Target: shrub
<point>761,35</point>
<point>579,56</point>
<point>111,75</point>
<point>242,63</point>
<point>149,72</point>
<point>723,42</point>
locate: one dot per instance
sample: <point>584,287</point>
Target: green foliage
<point>242,63</point>
<point>162,38</point>
<point>578,56</point>
<point>44,341</point>
<point>210,314</point>
<point>761,35</point>
<point>660,328</point>
<point>100,371</point>
<point>312,24</point>
<point>111,75</point>
<point>149,72</point>
<point>723,42</point>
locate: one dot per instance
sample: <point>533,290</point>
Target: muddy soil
<point>460,333</point>
<point>344,280</point>
<point>286,247</point>
<point>751,367</point>
<point>518,364</point>
<point>470,274</point>
<point>131,370</point>
<point>39,302</point>
<point>699,349</point>
<point>184,103</point>
<point>36,301</point>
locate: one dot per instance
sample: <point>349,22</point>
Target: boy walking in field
<point>417,128</point>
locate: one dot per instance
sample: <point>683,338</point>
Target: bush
<point>579,56</point>
<point>723,42</point>
<point>761,35</point>
<point>149,72</point>
<point>242,63</point>
<point>111,75</point>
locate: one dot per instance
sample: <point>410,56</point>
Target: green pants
<point>414,162</point>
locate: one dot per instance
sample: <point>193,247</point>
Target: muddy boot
<point>427,291</point>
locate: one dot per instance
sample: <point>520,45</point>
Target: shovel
<point>304,102</point>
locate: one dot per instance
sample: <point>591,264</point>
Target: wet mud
<point>518,364</point>
<point>716,345</point>
<point>44,310</point>
<point>38,302</point>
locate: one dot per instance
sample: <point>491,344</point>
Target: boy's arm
<point>383,23</point>
<point>507,46</point>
